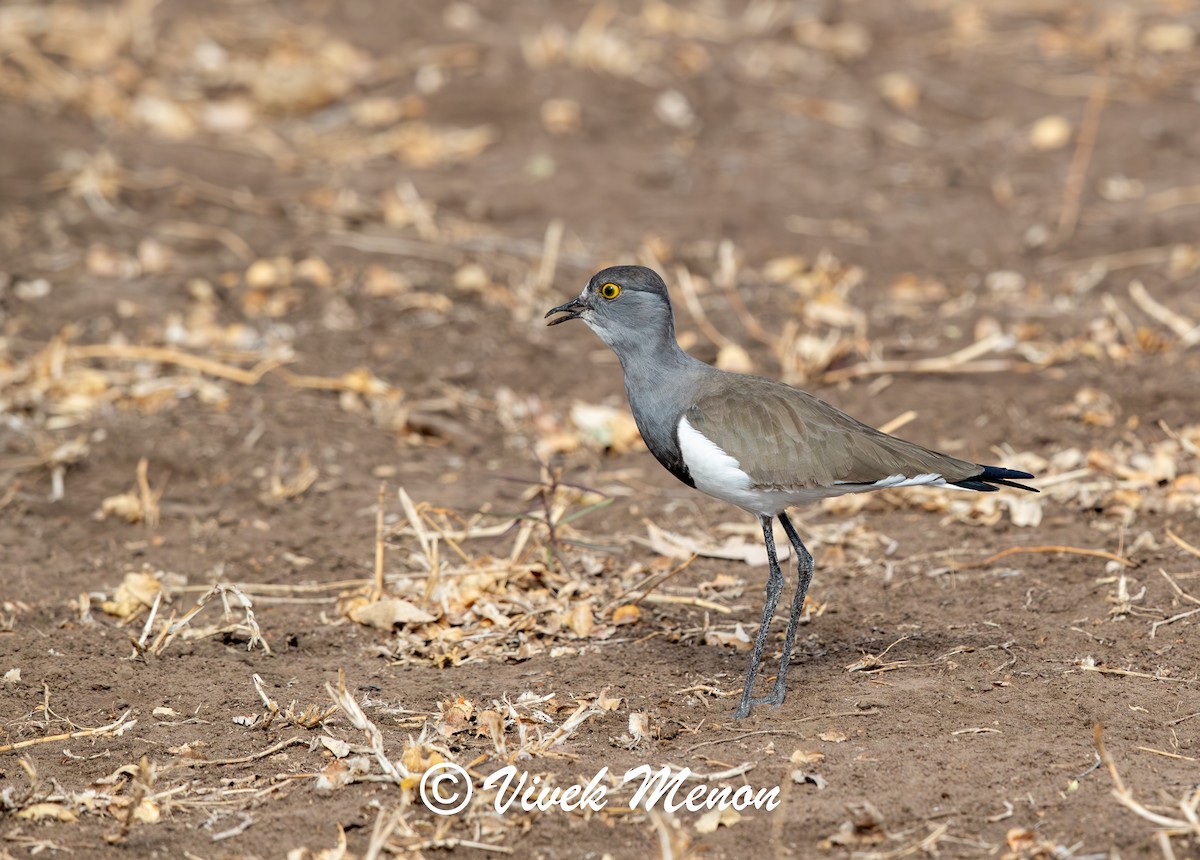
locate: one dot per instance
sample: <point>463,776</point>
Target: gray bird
<point>752,441</point>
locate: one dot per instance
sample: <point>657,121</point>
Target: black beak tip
<point>569,311</point>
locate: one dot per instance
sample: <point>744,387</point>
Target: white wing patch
<point>712,470</point>
<point>928,479</point>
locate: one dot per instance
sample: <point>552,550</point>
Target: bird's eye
<point>610,291</point>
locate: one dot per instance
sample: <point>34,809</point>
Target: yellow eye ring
<point>610,290</point>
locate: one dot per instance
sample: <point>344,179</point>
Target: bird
<point>749,440</point>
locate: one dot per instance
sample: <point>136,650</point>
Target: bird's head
<point>626,306</point>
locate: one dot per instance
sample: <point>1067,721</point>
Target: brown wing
<point>784,438</point>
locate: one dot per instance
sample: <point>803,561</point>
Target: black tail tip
<point>993,478</point>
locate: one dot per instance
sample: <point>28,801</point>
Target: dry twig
<point>1183,595</point>
<point>1187,330</point>
<point>249,622</point>
<point>354,712</point>
<point>1187,824</point>
<point>1182,544</point>
<point>1015,550</point>
<point>961,361</point>
<point>113,729</point>
<point>1085,144</point>
<point>168,355</point>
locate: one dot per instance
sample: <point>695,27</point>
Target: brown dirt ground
<point>150,154</point>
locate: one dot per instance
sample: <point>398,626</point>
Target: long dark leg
<point>774,589</point>
<point>804,574</point>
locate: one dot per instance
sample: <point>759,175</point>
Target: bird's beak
<point>572,309</point>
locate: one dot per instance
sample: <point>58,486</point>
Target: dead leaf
<point>389,613</point>
<point>626,614</point>
<point>783,269</point>
<point>605,702</point>
<point>336,746</point>
<point>864,827</point>
<point>738,638</point>
<point>734,358</point>
<point>581,620</point>
<point>418,759</point>
<point>1050,132</point>
<point>47,812</point>
<point>1169,38</point>
<point>562,116</point>
<point>381,282</point>
<point>456,716</point>
<point>1024,511</point>
<point>714,818</point>
<point>734,548</point>
<point>899,90</point>
<point>341,772</point>
<point>473,278</point>
<point>639,726</point>
<point>135,593</point>
<point>1022,842</point>
<point>315,271</point>
<point>147,812</point>
<point>490,723</point>
<point>127,506</point>
<point>611,428</point>
<point>806,757</point>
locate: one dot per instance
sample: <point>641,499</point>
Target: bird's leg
<point>804,573</point>
<point>774,589</point>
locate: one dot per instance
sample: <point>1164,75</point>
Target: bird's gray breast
<point>658,422</point>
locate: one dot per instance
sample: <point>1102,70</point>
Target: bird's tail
<point>993,478</point>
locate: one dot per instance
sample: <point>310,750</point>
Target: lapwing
<point>756,442</point>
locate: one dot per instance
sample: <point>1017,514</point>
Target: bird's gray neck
<point>660,382</point>
<point>647,361</point>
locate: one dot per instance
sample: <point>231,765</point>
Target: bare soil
<point>380,200</point>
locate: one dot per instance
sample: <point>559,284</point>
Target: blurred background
<point>366,207</point>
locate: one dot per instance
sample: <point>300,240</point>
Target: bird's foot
<point>775,697</point>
